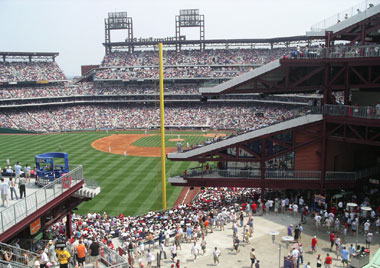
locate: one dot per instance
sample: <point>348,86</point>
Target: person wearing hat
<point>313,244</point>
<point>51,252</point>
<point>319,261</point>
<point>63,257</point>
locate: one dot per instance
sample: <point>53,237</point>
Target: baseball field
<point>125,164</point>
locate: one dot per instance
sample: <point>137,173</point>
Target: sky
<point>75,28</point>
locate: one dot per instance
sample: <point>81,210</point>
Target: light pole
<point>273,234</point>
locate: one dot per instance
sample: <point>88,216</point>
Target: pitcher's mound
<point>118,144</point>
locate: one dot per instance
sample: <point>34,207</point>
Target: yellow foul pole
<point>162,126</point>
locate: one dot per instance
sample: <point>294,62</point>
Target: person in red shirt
<point>332,240</point>
<point>328,261</point>
<point>254,207</point>
<point>313,244</point>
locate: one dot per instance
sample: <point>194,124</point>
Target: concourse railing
<point>336,175</point>
<point>369,112</point>
<point>343,15</point>
<point>255,174</point>
<point>20,257</point>
<point>24,207</point>
<point>338,51</point>
<point>281,174</point>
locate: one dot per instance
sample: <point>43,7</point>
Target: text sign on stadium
<point>189,17</point>
<point>117,20</point>
<point>373,181</point>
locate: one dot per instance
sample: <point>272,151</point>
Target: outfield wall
<point>4,130</point>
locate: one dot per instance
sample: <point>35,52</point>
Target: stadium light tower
<point>117,21</point>
<point>189,18</point>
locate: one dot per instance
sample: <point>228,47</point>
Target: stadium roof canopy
<point>33,54</point>
<point>154,41</point>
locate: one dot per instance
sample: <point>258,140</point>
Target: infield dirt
<point>120,143</point>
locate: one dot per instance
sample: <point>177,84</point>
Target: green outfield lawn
<point>130,184</point>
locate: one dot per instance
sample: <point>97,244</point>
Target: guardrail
<point>369,112</point>
<point>5,264</point>
<point>282,174</point>
<point>343,15</point>
<point>339,51</point>
<point>336,175</point>
<point>256,174</point>
<point>111,257</point>
<point>24,207</point>
<point>20,256</point>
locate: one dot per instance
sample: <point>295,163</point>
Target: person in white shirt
<point>194,251</point>
<point>27,173</point>
<point>366,227</point>
<point>295,209</point>
<point>4,192</point>
<point>318,219</point>
<point>173,250</point>
<point>301,201</point>
<point>296,254</point>
<point>216,254</point>
<point>17,170</point>
<point>149,259</point>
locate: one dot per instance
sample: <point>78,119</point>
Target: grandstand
<point>291,104</point>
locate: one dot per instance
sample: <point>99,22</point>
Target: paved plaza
<point>266,251</point>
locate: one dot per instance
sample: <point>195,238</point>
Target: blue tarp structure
<point>46,170</point>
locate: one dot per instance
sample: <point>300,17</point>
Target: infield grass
<point>155,141</point>
<point>129,184</point>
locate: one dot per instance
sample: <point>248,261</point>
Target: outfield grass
<point>130,184</point>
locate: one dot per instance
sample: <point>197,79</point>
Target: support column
<point>346,85</point>
<point>69,230</point>
<point>262,168</point>
<point>323,155</point>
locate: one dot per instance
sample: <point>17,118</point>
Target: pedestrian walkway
<point>266,251</point>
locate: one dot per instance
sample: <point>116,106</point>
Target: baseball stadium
<point>178,152</point>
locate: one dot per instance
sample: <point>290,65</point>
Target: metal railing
<point>256,174</point>
<point>5,264</point>
<point>20,256</point>
<point>24,207</point>
<point>339,51</point>
<point>282,174</point>
<point>369,112</point>
<point>111,257</point>
<point>294,175</point>
<point>336,175</point>
<point>343,15</point>
<point>91,183</point>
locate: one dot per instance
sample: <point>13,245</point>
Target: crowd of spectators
<point>91,89</point>
<point>211,210</point>
<point>214,63</point>
<point>180,72</point>
<point>30,71</point>
<point>81,117</point>
<point>194,57</point>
